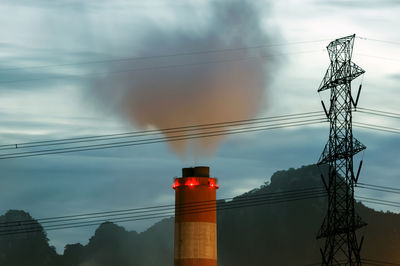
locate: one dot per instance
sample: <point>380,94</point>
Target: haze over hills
<point>280,234</point>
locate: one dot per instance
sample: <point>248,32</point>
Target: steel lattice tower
<point>340,225</point>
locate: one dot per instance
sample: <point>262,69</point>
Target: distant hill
<point>25,249</point>
<point>280,234</point>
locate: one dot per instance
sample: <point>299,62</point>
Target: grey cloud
<point>395,77</point>
<point>358,4</point>
<point>28,80</point>
<point>70,4</point>
<point>26,68</point>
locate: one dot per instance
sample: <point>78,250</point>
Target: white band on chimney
<point>197,240</point>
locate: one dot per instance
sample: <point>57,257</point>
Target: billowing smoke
<point>195,88</point>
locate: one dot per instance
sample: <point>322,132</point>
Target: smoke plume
<point>195,88</point>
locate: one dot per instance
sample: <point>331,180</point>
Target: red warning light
<point>212,184</point>
<point>191,182</point>
<point>176,184</point>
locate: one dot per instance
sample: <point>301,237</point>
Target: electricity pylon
<point>341,222</point>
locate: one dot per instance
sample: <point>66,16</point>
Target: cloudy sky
<point>48,90</point>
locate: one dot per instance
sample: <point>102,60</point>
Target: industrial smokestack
<point>195,218</point>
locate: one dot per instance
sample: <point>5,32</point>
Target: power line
<point>241,202</point>
<point>378,114</point>
<point>379,188</point>
<point>319,264</point>
<point>379,111</point>
<point>158,131</point>
<point>378,40</point>
<point>196,210</point>
<point>175,137</point>
<point>85,215</point>
<point>162,211</point>
<point>223,132</point>
<point>379,201</point>
<point>210,51</point>
<point>379,57</point>
<point>377,127</point>
<point>176,129</point>
<point>162,139</point>
<point>158,215</point>
<point>163,67</point>
<point>171,130</point>
<point>364,261</point>
<point>166,55</point>
<point>380,261</point>
<point>145,209</point>
<point>372,263</point>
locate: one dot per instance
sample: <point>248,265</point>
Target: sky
<point>46,93</point>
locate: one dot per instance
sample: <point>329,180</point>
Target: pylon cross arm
<point>344,74</point>
<point>341,151</point>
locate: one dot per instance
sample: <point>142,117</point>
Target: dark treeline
<point>278,234</point>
